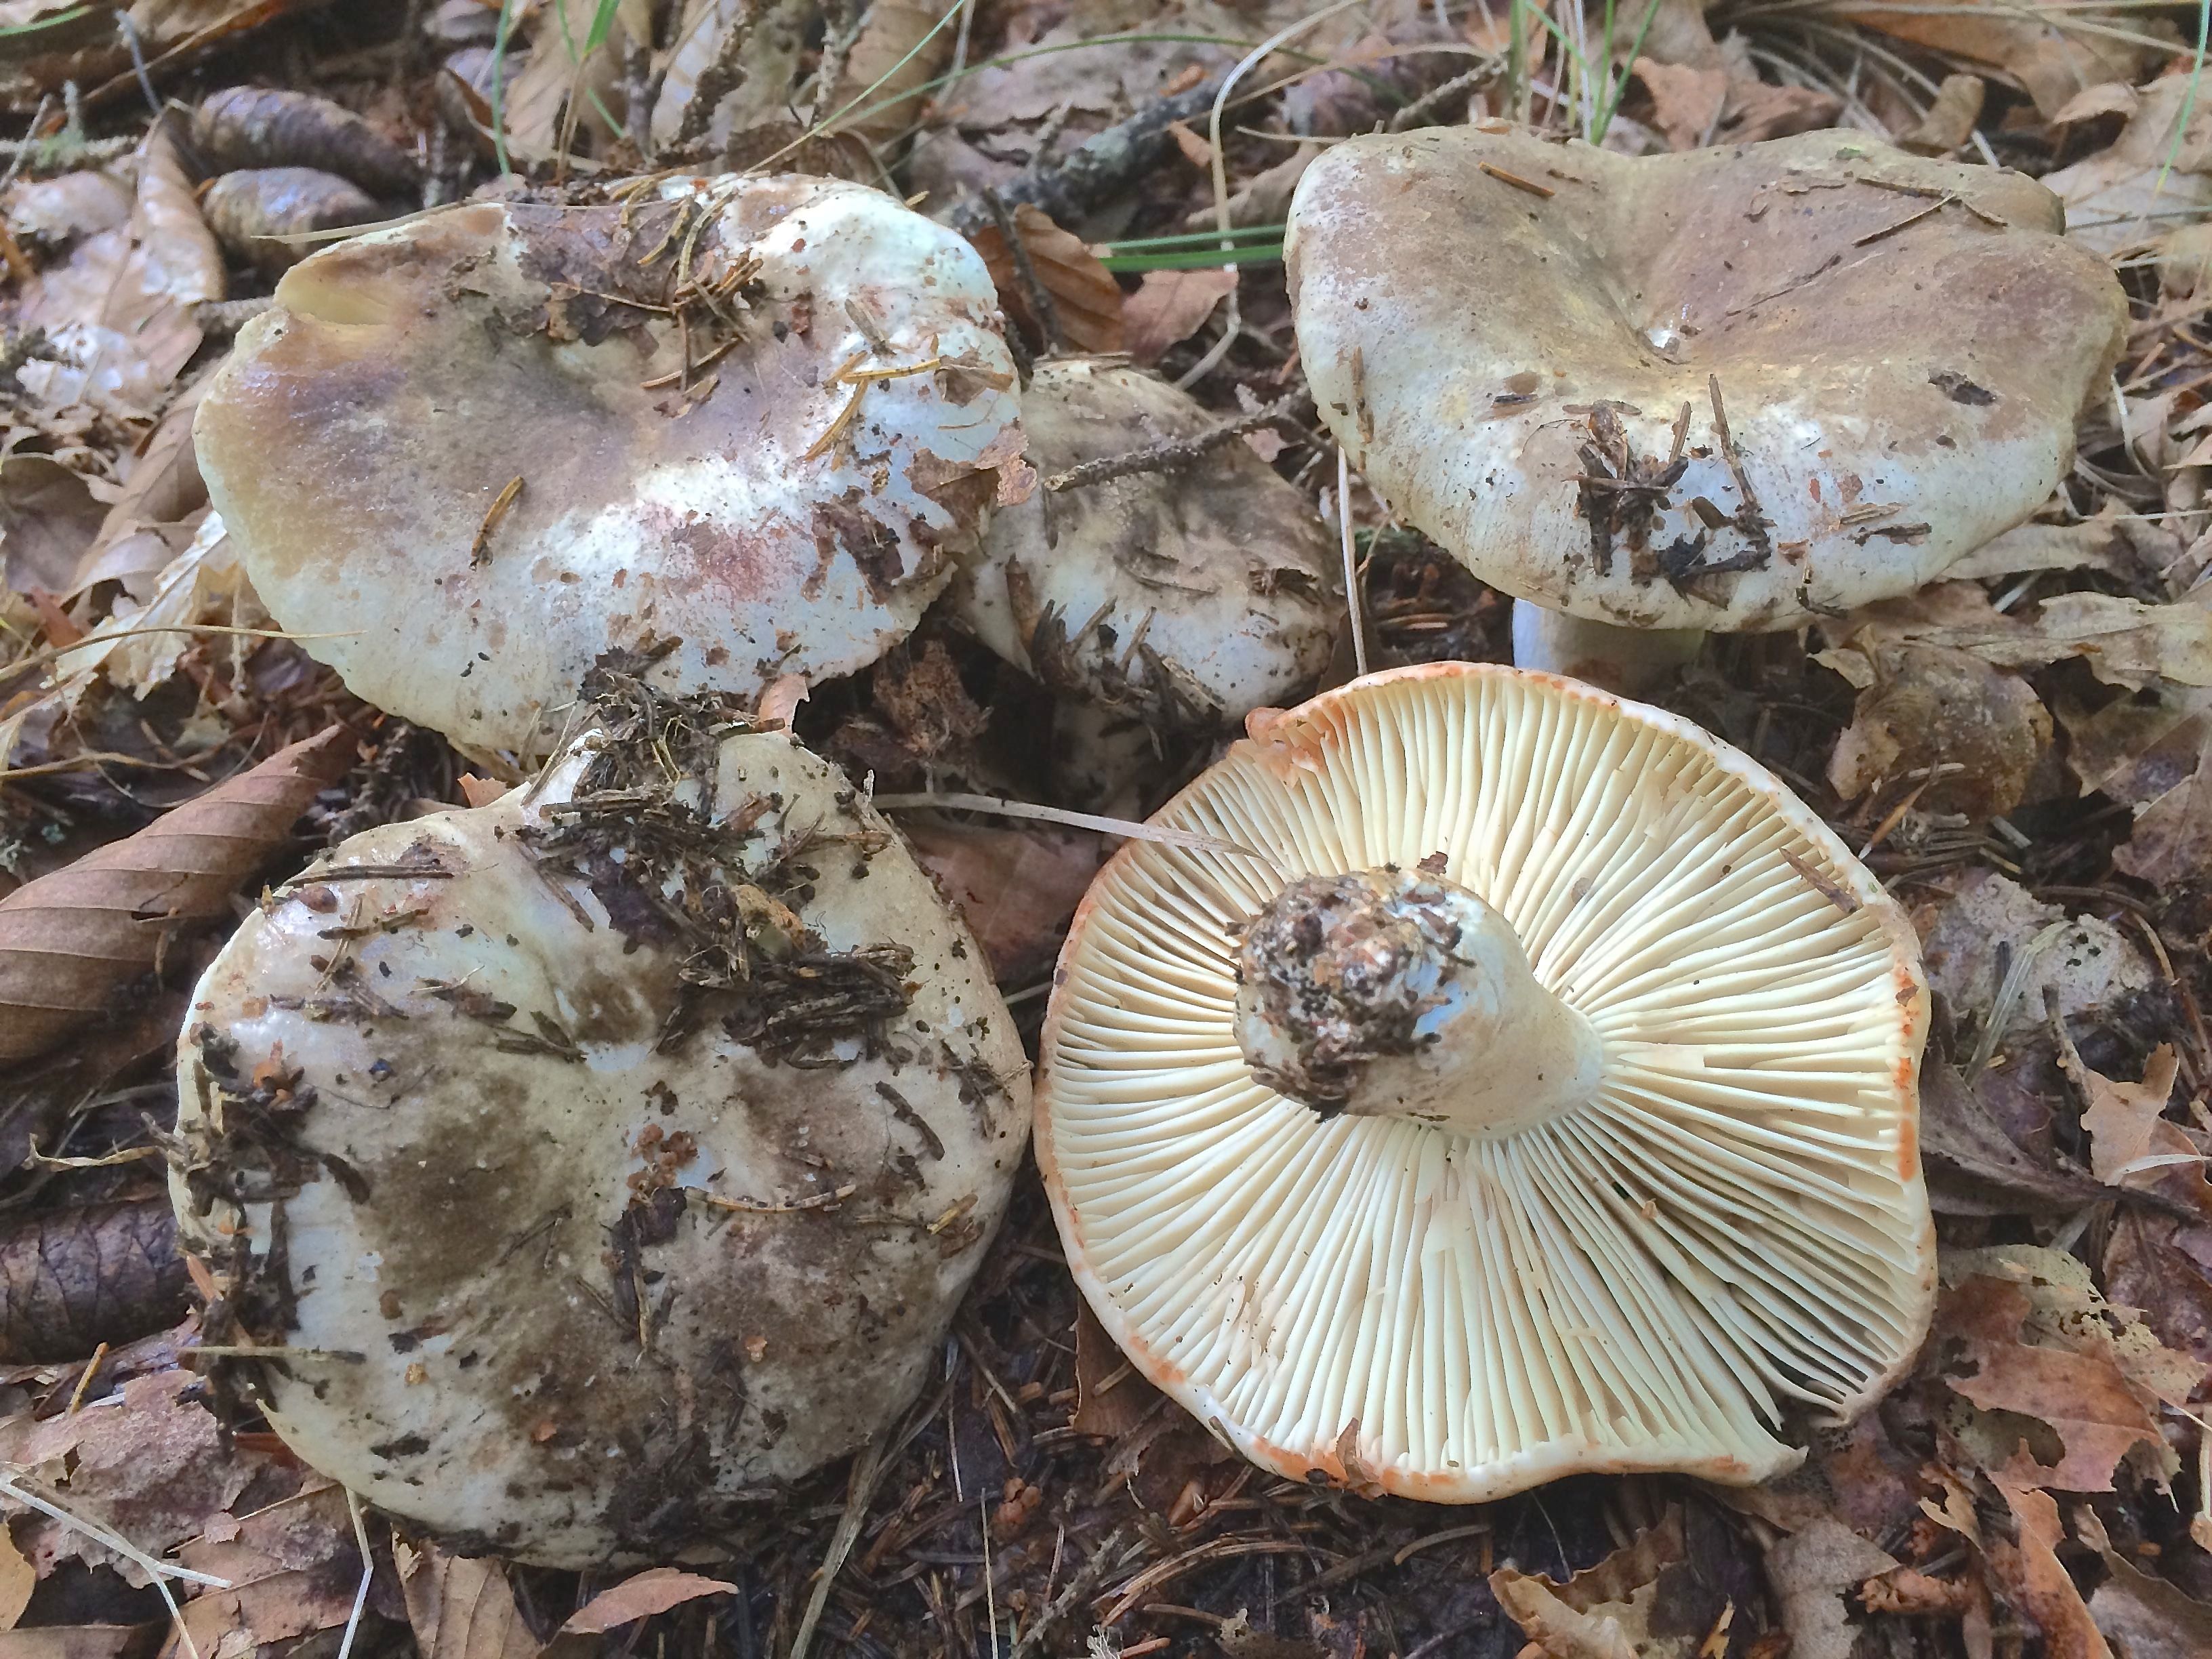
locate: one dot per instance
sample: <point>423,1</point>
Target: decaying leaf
<point>2126,642</point>
<point>2055,51</point>
<point>1629,1605</point>
<point>75,1278</point>
<point>640,1596</point>
<point>1169,306</point>
<point>1086,301</point>
<point>461,1606</point>
<point>2148,1616</point>
<point>2115,199</point>
<point>2031,1574</point>
<point>69,941</point>
<point>294,1568</point>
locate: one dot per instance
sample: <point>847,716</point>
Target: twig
<point>719,78</point>
<point>1437,97</point>
<point>1543,191</point>
<point>1041,306</point>
<point>1096,170</point>
<point>1167,456</point>
<point>1910,219</point>
<point>220,319</point>
<point>1087,1578</point>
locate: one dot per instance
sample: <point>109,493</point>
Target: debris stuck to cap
<point>1733,389</point>
<point>1605,1053</point>
<point>1184,598</point>
<point>465,456</point>
<point>606,1155</point>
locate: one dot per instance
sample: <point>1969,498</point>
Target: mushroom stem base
<point>1388,994</point>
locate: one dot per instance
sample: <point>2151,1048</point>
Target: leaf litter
<point>2023,751</point>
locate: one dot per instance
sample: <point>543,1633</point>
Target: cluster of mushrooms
<point>1493,1078</point>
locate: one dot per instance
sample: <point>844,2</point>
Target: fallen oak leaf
<point>1169,306</point>
<point>69,941</point>
<point>2130,1142</point>
<point>1085,300</point>
<point>654,1590</point>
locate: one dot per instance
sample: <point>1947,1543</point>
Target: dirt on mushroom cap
<point>1730,389</point>
<point>612,1166</point>
<point>761,415</point>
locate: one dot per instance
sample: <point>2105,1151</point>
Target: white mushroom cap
<point>1501,330</point>
<point>1186,597</point>
<point>1495,1254</point>
<point>791,507</point>
<point>611,1253</point>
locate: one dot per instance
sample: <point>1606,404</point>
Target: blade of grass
<point>1618,86</point>
<point>1194,259</point>
<point>502,37</point>
<point>54,22</point>
<point>1203,238</point>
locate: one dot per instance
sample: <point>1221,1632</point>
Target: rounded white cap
<point>789,506</point>
<point>587,1246</point>
<point>1731,1231</point>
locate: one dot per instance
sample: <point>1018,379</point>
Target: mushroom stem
<point>1386,992</point>
<point>1629,660</point>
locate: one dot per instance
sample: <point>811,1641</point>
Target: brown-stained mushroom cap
<point>467,455</point>
<point>1732,389</point>
<point>1525,1084</point>
<point>607,1155</point>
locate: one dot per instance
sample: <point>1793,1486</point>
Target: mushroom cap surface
<point>1734,1230</point>
<point>1503,331</point>
<point>495,1166</point>
<point>1185,596</point>
<point>791,505</point>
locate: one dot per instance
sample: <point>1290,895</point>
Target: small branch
<point>1040,302</point>
<point>1095,171</point>
<point>1460,85</point>
<point>1078,1590</point>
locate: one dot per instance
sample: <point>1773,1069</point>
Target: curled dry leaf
<point>1814,1570</point>
<point>293,1567</point>
<point>163,487</point>
<point>243,127</point>
<point>1086,301</point>
<point>639,1596</point>
<point>2126,641</point>
<point>2120,198</point>
<point>1016,887</point>
<point>2031,1576</point>
<point>69,941</point>
<point>1646,1600</point>
<point>73,1279</point>
<point>900,50</point>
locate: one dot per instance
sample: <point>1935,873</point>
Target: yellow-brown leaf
<point>1085,298</point>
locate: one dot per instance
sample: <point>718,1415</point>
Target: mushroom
<point>590,1162</point>
<point>1526,1084</point>
<point>1734,389</point>
<point>463,457</point>
<point>1169,600</point>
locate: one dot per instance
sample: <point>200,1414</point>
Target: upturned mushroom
<point>1524,1084</point>
<point>761,416</point>
<point>591,1164</point>
<point>1734,389</point>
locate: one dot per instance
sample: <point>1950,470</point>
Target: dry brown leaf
<point>2126,641</point>
<point>1169,306</point>
<point>1085,298</point>
<point>2148,1616</point>
<point>45,509</point>
<point>18,1578</point>
<point>163,487</point>
<point>2171,840</point>
<point>640,1596</point>
<point>1686,101</point>
<point>2096,1411</point>
<point>294,1568</point>
<point>1605,1612</point>
<point>82,1642</point>
<point>69,941</point>
<point>2032,1578</point>
<point>151,1464</point>
<point>461,1606</point>
<point>2130,1142</point>
<point>1950,123</point>
<point>1112,1397</point>
<point>77,1277</point>
<point>2054,52</point>
<point>885,91</point>
<point>2119,197</point>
